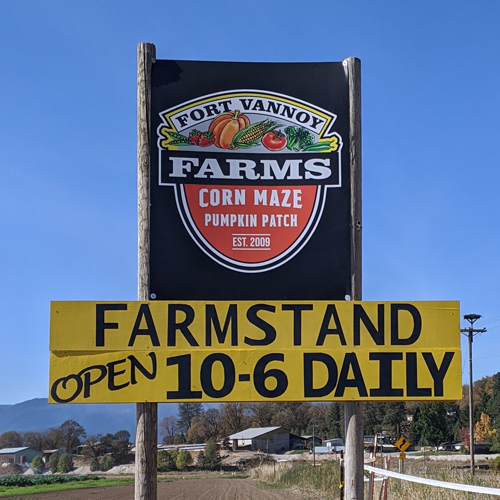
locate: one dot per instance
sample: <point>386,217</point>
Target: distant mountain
<point>38,415</point>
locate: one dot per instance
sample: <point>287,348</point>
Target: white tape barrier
<point>433,482</point>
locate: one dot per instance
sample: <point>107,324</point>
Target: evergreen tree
<point>65,463</point>
<point>53,462</point>
<point>493,408</point>
<point>373,416</point>
<point>429,425</point>
<point>452,420</point>
<point>95,466</point>
<point>183,460</point>
<point>335,420</point>
<point>394,419</point>
<point>166,461</point>
<point>186,413</point>
<point>209,459</point>
<point>37,464</point>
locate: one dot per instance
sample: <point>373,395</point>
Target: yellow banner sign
<point>254,351</point>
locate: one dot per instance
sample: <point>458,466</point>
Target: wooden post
<point>353,411</point>
<point>146,434</point>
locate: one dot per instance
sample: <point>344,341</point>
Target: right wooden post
<point>353,411</point>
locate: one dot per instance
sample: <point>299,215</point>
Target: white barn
<point>266,439</point>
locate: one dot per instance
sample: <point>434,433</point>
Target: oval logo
<point>251,171</point>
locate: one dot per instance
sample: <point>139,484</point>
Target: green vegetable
<point>298,138</point>
<point>319,146</point>
<point>179,140</point>
<point>250,136</point>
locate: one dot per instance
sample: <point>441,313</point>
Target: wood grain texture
<point>353,411</point>
<point>146,413</point>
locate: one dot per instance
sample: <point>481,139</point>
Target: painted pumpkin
<point>226,126</point>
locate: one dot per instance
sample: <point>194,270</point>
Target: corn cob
<point>250,136</point>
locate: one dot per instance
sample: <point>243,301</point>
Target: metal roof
<point>253,432</point>
<point>5,451</point>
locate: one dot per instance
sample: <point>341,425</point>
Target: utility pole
<point>314,449</point>
<point>470,333</point>
<point>146,435</point>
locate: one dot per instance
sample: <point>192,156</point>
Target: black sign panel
<point>250,184</point>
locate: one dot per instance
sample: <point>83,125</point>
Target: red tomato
<point>274,140</point>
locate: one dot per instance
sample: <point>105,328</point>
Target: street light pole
<point>470,332</point>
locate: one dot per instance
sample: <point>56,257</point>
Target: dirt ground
<point>182,489</point>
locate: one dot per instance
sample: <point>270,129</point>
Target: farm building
<point>18,455</point>
<point>308,440</point>
<point>266,439</point>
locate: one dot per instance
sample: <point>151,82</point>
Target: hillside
<point>37,415</point>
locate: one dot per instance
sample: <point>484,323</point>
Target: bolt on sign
<point>209,351</point>
<point>250,183</point>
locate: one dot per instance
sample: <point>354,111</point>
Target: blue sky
<point>430,84</point>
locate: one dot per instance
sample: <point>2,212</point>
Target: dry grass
<point>440,471</point>
<point>322,482</point>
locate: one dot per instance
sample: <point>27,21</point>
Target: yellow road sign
<point>402,444</point>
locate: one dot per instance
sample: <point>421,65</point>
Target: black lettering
<point>417,324</point>
<point>101,325</point>
<point>246,103</point>
<point>260,375</point>
<point>112,374</point>
<point>212,319</point>
<point>331,312</point>
<point>438,374</point>
<point>173,326</point>
<point>350,361</point>
<point>225,105</point>
<point>183,378</point>
<point>360,316</point>
<point>288,112</point>
<point>211,109</point>
<point>329,362</point>
<point>315,121</point>
<point>64,382</point>
<point>273,107</point>
<point>150,330</point>
<point>135,364</point>
<point>302,117</point>
<point>268,329</point>
<point>206,375</point>
<point>412,389</point>
<point>87,380</point>
<point>182,119</point>
<point>258,106</point>
<point>385,374</point>
<point>297,319</point>
<point>196,115</point>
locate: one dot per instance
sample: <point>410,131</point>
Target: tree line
<point>69,436</point>
<point>422,423</point>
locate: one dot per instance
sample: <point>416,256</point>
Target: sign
<point>402,445</point>
<point>209,351</point>
<point>402,456</point>
<point>250,181</point>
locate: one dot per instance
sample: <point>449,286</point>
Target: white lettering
<point>281,173</point>
<point>318,166</point>
<point>179,165</point>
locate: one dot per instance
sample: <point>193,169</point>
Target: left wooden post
<point>146,413</point>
